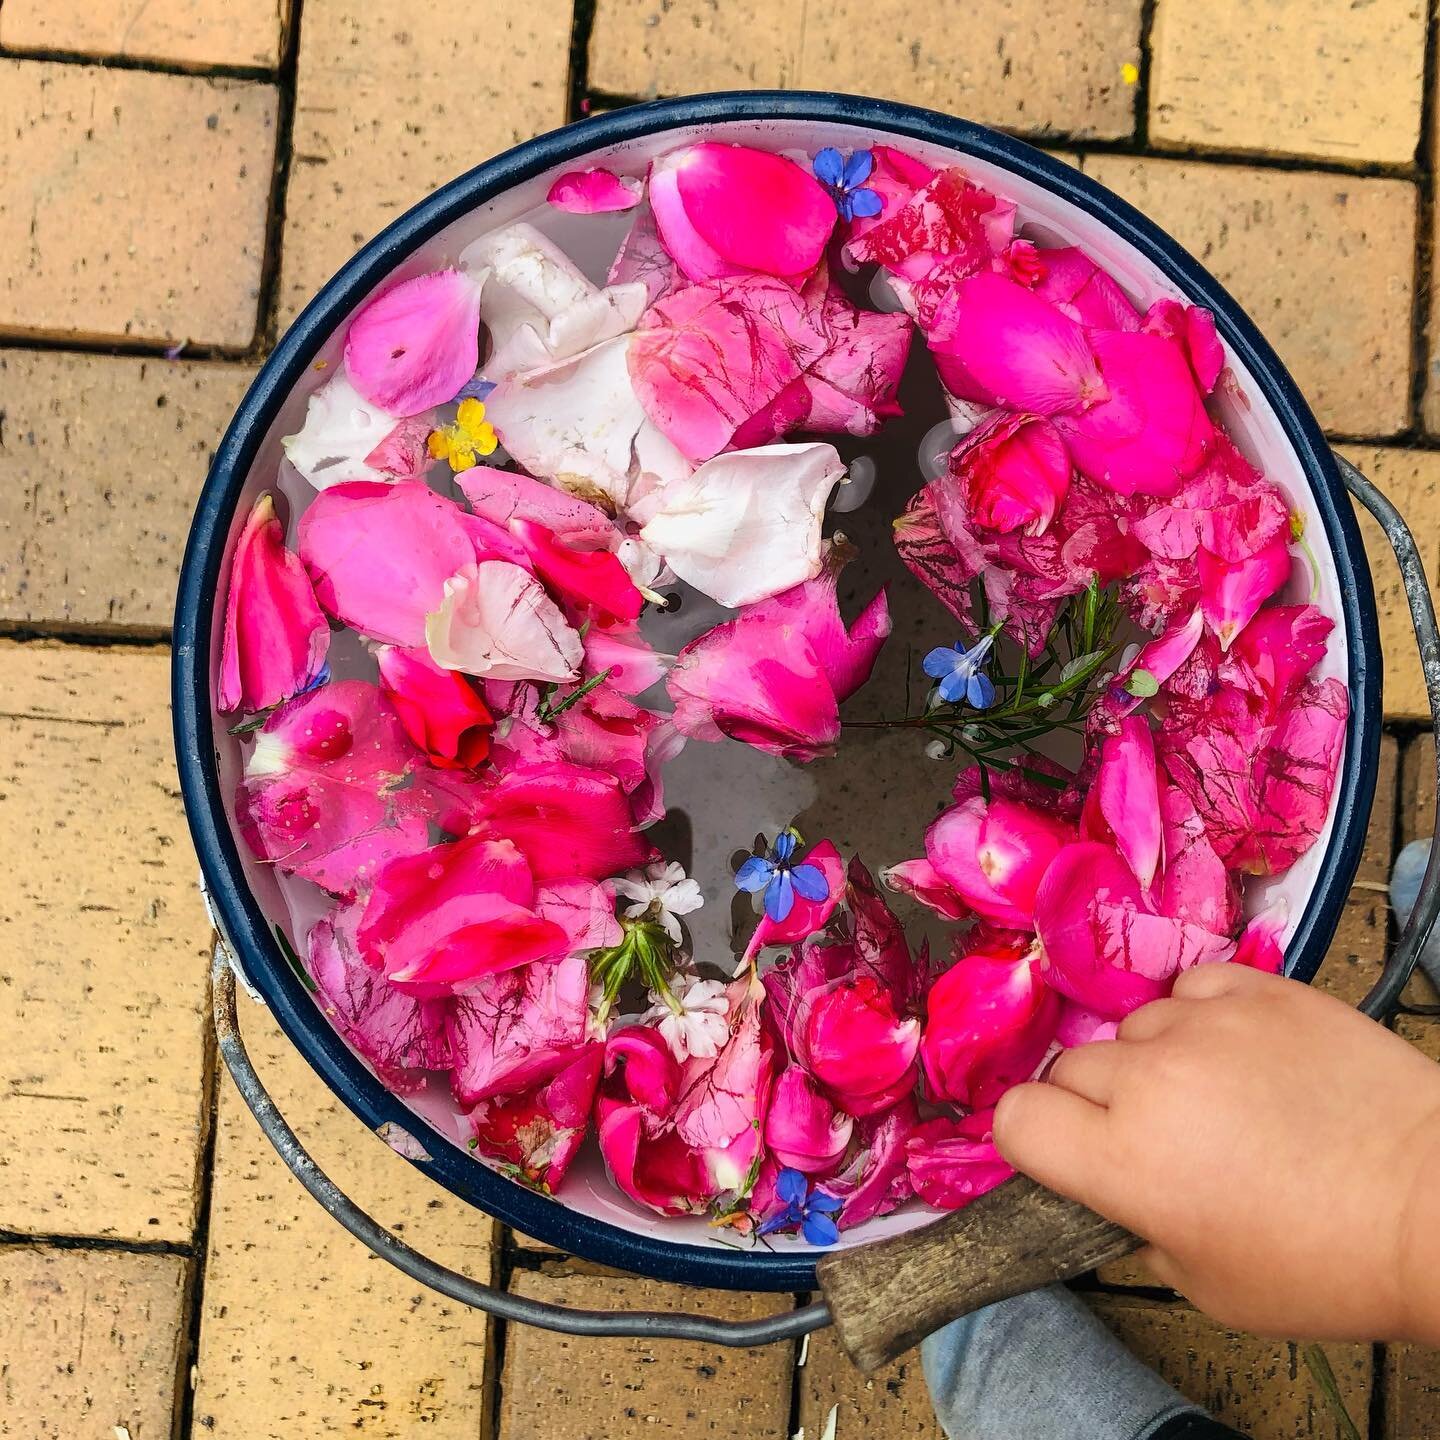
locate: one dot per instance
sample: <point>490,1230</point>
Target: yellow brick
<point>182,32</point>
<point>1412,1392</point>
<point>894,1404</point>
<point>132,206</point>
<point>91,1343</point>
<point>100,466</point>
<point>305,1333</point>
<point>1261,1387</point>
<point>1323,263</point>
<point>558,1385</point>
<point>1342,82</point>
<point>1034,70</point>
<point>395,97</point>
<point>103,965</point>
<point>1411,479</point>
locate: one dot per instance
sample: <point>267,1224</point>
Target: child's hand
<point>1280,1152</point>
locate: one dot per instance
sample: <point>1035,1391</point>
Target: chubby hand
<point>1279,1152</point>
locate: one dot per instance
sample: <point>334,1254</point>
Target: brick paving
<point>191,171</point>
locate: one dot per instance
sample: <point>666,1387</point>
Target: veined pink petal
<point>1155,947</point>
<point>593,192</point>
<point>894,177</point>
<point>1280,646</point>
<point>803,1129</point>
<point>990,1018</point>
<point>746,525</point>
<point>1000,344</point>
<point>1150,431</point>
<point>1076,285</point>
<point>1196,886</point>
<point>494,619</point>
<point>706,197</point>
<point>873,1180</point>
<point>328,791</point>
<point>517,1029</point>
<point>1013,471</point>
<point>275,637</point>
<point>1127,787</point>
<point>1295,779</point>
<point>583,910</point>
<point>1227,509</point>
<point>933,558</point>
<point>1259,945</point>
<point>643,260</point>
<point>441,710</point>
<point>939,227</point>
<point>1231,593</point>
<point>401,1035</point>
<point>540,1131</point>
<point>859,1049</point>
<point>920,880</point>
<point>641,1058</point>
<point>505,496</point>
<point>416,344</point>
<point>954,1162</point>
<point>379,555</point>
<point>807,917</point>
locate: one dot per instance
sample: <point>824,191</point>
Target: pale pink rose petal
<point>732,682</point>
<point>1232,592</point>
<point>643,260</point>
<point>746,525</point>
<point>540,1131</point>
<point>1259,945</point>
<point>989,1020</point>
<point>328,790</point>
<point>1195,886</point>
<point>593,192</point>
<point>1075,284</point>
<point>416,344</point>
<point>628,660</point>
<point>1127,790</point>
<point>954,1162</point>
<point>1295,778</point>
<point>403,454</point>
<point>706,198</point>
<point>379,555</point>
<point>494,619</point>
<point>998,343</point>
<point>803,1129</point>
<point>518,1028</point>
<point>275,638</point>
<point>1155,947</point>
<point>583,909</point>
<point>506,496</point>
<point>1150,431</point>
<point>401,1035</point>
<point>570,822</point>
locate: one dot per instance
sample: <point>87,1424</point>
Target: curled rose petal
<point>1127,791</point>
<point>1231,593</point>
<point>1015,472</point>
<point>954,1162</point>
<point>859,1049</point>
<point>414,345</point>
<point>441,710</point>
<point>591,582</point>
<point>593,192</point>
<point>746,525</point>
<point>873,1179</point>
<point>706,196</point>
<point>1259,945</point>
<point>496,620</point>
<point>275,638</point>
<point>803,1130</point>
<point>1164,655</point>
<point>920,880</point>
<point>345,437</point>
<point>1072,282</point>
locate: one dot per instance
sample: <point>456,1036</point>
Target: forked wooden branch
<point>887,1296</point>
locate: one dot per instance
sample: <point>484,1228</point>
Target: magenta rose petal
<point>593,192</point>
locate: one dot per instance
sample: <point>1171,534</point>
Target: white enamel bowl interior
<point>877,796</point>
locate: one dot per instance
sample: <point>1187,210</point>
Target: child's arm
<point>1279,1151</point>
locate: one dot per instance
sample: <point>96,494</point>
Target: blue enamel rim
<point>239,916</point>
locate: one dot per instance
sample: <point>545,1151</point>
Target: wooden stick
<point>887,1296</point>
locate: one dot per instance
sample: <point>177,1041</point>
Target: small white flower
<point>662,888</point>
<point>698,1028</point>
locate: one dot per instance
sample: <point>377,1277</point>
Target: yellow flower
<point>464,442</point>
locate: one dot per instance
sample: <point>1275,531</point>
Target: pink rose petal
<point>593,192</point>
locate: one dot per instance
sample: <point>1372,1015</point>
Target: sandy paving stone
<point>893,1405</point>
<point>132,205</point>
<point>1412,1392</point>
<point>1048,71</point>
<point>1323,264</point>
<point>304,1333</point>
<point>90,1343</point>
<point>396,97</point>
<point>101,462</point>
<point>558,1385</point>
<point>1261,1387</point>
<point>1339,82</point>
<point>182,32</point>
<point>103,951</point>
<point>1411,480</point>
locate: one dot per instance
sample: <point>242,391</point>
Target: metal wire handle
<point>794,1323</point>
<point>1383,998</point>
<point>645,1324</point>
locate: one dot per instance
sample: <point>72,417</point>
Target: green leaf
<point>1142,684</point>
<point>247,727</point>
<point>549,711</point>
<point>1319,1364</point>
<point>1080,664</point>
<point>293,960</point>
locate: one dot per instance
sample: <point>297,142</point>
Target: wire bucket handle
<point>883,1297</point>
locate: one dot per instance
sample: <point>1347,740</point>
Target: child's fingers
<point>1089,1071</point>
<point>1150,1020</point>
<point>1055,1137</point>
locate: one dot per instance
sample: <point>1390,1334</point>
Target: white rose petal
<point>746,525</point>
<point>341,428</point>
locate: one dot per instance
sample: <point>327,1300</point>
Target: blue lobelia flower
<point>781,880</point>
<point>810,1209</point>
<point>844,179</point>
<point>961,673</point>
